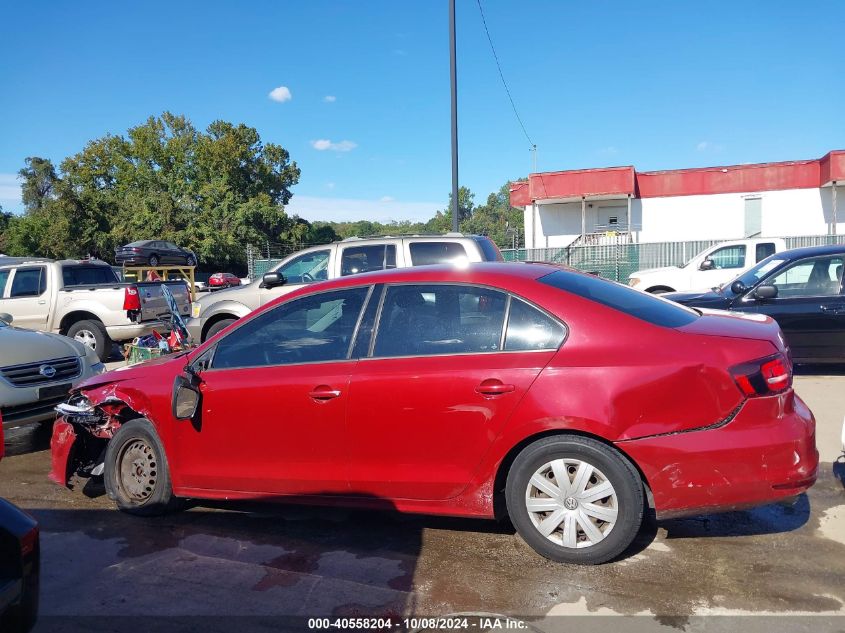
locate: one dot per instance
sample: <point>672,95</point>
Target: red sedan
<point>566,401</point>
<point>223,280</point>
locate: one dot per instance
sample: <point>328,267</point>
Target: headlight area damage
<point>83,428</point>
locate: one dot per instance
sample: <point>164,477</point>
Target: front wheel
<point>574,499</point>
<point>222,324</point>
<point>136,474</point>
<point>154,260</point>
<point>190,260</point>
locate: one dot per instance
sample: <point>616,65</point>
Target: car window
<point>308,267</point>
<point>4,277</point>
<point>530,329</point>
<point>489,250</point>
<point>635,303</point>
<point>425,253</point>
<point>86,275</point>
<point>728,257</point>
<point>362,259</point>
<point>171,246</point>
<point>423,320</point>
<point>814,277</point>
<point>317,328</point>
<point>28,282</point>
<point>763,250</point>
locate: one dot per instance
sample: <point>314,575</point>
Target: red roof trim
<point>758,177</point>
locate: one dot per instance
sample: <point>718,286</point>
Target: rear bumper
<point>128,332</point>
<point>766,453</point>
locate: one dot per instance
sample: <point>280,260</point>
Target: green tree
<point>212,191</point>
<point>495,217</point>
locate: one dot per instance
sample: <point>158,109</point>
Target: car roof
<point>810,251</point>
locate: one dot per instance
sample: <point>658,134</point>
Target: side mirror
<point>707,264</point>
<point>271,280</point>
<point>186,398</point>
<point>5,316</point>
<point>738,287</point>
<point>766,292</point>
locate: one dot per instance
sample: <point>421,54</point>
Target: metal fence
<point>618,261</point>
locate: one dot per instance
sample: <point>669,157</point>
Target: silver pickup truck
<point>85,300</point>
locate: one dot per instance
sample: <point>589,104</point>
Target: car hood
<point>158,366</point>
<point>702,299</point>
<point>234,293</point>
<point>21,346</point>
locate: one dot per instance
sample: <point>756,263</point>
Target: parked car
<point>37,370</point>
<point>85,300</point>
<point>223,280</point>
<point>801,289</point>
<point>20,565</point>
<point>710,268</point>
<point>354,255</point>
<point>154,253</point>
<point>560,398</point>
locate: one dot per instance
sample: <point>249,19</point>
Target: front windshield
<point>754,274</point>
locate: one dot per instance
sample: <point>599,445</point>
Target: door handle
<point>493,387</point>
<point>323,392</point>
<point>833,309</point>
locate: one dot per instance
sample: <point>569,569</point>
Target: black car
<point>154,253</point>
<point>19,569</point>
<point>801,289</point>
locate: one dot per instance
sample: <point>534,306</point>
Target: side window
<point>764,250</point>
<point>815,277</point>
<point>312,329</point>
<point>529,329</point>
<point>4,277</point>
<point>729,257</point>
<point>424,320</point>
<point>425,253</point>
<point>86,275</point>
<point>362,259</point>
<point>490,251</point>
<point>308,267</point>
<point>28,282</point>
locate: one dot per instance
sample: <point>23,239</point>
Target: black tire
<point>147,491</point>
<point>660,290</point>
<point>611,466</point>
<point>190,260</point>
<point>21,439</point>
<point>154,260</point>
<point>92,330</point>
<point>217,326</point>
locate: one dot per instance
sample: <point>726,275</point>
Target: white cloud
<point>330,186</point>
<point>280,94</point>
<point>10,192</point>
<point>610,150</point>
<point>329,98</point>
<point>708,146</point>
<point>348,209</point>
<point>386,199</point>
<point>342,146</point>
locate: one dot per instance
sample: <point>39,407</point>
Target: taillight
<point>763,377</point>
<point>29,542</point>
<point>131,300</point>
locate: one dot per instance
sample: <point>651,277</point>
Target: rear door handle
<point>493,387</point>
<point>833,309</point>
<point>324,392</point>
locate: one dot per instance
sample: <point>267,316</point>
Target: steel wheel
<point>572,503</point>
<point>137,470</point>
<point>87,338</point>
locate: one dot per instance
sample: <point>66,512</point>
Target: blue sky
<point>659,85</point>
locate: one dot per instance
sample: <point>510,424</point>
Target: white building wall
<point>681,218</point>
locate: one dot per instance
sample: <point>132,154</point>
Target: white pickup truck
<point>712,267</point>
<point>85,300</point>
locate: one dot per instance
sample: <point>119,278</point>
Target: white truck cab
<point>712,267</point>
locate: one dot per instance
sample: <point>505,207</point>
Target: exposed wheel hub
<point>137,470</point>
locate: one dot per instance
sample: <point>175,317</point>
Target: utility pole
<point>454,78</point>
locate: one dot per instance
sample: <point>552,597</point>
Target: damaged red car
<point>569,403</point>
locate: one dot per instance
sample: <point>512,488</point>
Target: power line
<point>501,74</point>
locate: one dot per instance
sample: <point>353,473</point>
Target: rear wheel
<point>216,327</point>
<point>136,474</point>
<point>190,260</point>
<point>92,334</point>
<point>574,499</point>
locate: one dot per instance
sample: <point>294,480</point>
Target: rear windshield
<point>489,249</point>
<point>634,302</point>
<point>88,275</point>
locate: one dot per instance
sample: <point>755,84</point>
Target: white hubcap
<point>86,337</point>
<point>571,503</point>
